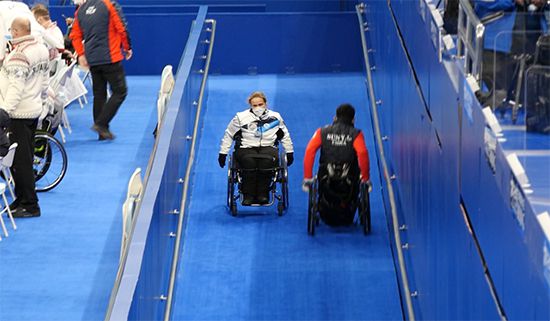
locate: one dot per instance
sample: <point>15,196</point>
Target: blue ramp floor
<point>258,266</point>
<point>62,265</point>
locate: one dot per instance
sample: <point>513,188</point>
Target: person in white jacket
<point>23,87</point>
<point>52,35</point>
<point>256,131</point>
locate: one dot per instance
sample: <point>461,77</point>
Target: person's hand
<point>69,21</point>
<point>83,62</point>
<point>221,160</point>
<point>128,54</point>
<point>368,184</point>
<point>306,184</point>
<point>289,158</point>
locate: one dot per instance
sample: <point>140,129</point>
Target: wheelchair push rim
<point>49,161</point>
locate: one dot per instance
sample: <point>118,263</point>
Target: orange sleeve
<point>362,156</point>
<point>119,23</point>
<point>311,149</point>
<point>76,36</point>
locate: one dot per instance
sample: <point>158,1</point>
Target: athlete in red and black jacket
<point>99,32</point>
<point>340,142</point>
<point>101,40</point>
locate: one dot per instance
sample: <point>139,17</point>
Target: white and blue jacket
<point>249,130</point>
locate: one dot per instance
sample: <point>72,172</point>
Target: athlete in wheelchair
<point>255,166</point>
<point>342,182</point>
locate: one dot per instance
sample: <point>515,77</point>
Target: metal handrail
<point>402,268</point>
<point>471,33</point>
<point>175,259</point>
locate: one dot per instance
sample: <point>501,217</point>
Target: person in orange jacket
<point>100,37</point>
<point>343,162</point>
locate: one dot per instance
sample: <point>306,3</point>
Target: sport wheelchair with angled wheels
<point>278,184</point>
<point>335,198</point>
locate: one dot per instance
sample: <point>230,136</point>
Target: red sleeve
<point>76,36</point>
<point>119,23</point>
<point>362,156</point>
<point>309,158</point>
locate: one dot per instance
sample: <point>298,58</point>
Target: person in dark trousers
<point>4,128</point>
<point>101,40</point>
<point>341,144</point>
<point>23,87</point>
<point>256,132</point>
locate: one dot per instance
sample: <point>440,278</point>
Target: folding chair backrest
<point>161,106</point>
<point>167,80</point>
<point>7,160</point>
<point>135,185</point>
<point>127,217</point>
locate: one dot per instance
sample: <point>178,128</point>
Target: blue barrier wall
<point>436,150</point>
<point>147,268</point>
<point>514,254</point>
<point>286,43</point>
<point>425,163</point>
<point>251,42</point>
<point>157,39</point>
<point>270,5</point>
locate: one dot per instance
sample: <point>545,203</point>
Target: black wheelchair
<point>278,185</point>
<point>319,201</point>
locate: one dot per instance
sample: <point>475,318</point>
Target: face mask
<point>258,111</point>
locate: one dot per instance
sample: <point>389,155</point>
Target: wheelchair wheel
<point>231,204</point>
<point>282,178</point>
<point>312,219</point>
<point>365,215</point>
<point>284,188</point>
<point>49,163</point>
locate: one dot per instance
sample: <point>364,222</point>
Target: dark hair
<point>345,113</point>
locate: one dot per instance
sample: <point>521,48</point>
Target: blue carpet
<point>62,266</point>
<point>259,266</point>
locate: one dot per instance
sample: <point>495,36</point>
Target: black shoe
<point>248,199</point>
<point>103,132</point>
<point>14,205</point>
<point>263,199</point>
<point>22,212</point>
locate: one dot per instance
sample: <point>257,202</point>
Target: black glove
<point>289,158</point>
<point>221,160</point>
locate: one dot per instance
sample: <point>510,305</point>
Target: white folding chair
<point>135,185</point>
<point>167,80</point>
<point>67,87</point>
<point>5,165</point>
<point>166,87</point>
<point>127,209</point>
<point>133,196</point>
<point>5,209</point>
<point>83,100</point>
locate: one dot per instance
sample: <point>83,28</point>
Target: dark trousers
<point>22,133</point>
<point>112,74</point>
<point>498,70</point>
<point>256,182</point>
